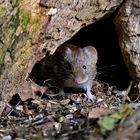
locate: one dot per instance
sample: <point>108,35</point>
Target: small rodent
<point>69,66</point>
<point>81,69</point>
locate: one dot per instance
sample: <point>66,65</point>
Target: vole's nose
<point>81,79</point>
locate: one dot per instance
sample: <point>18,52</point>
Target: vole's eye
<point>84,67</point>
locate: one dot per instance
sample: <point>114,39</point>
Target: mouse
<point>69,66</point>
<point>78,67</point>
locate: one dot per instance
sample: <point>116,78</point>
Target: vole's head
<point>83,62</point>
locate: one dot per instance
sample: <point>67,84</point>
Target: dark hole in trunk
<point>103,37</point>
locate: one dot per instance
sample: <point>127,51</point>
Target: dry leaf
<point>29,88</point>
<point>65,102</point>
<point>97,112</point>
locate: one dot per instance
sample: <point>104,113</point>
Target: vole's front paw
<point>90,96</point>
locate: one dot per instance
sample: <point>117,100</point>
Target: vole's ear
<point>62,50</point>
<point>68,51</point>
<point>90,50</point>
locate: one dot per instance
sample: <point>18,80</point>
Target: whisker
<point>108,66</point>
<point>104,75</point>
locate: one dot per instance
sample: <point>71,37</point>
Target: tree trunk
<point>128,28</point>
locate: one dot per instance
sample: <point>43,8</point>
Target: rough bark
<point>73,15</point>
<point>21,22</point>
<point>23,33</point>
<point>128,28</point>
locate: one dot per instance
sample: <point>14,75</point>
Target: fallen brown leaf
<point>28,89</point>
<point>97,112</point>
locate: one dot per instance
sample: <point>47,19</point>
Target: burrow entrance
<point>102,35</point>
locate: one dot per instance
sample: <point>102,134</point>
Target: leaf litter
<point>50,116</point>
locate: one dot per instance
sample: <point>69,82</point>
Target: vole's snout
<point>81,79</point>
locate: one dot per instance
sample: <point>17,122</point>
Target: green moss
<point>9,36</point>
<point>35,20</point>
<point>22,54</point>
<point>2,55</point>
<point>8,31</point>
<point>37,137</point>
<point>24,18</point>
<point>2,10</point>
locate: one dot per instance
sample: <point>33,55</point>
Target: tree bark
<point>127,24</point>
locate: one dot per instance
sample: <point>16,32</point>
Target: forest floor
<point>51,116</point>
